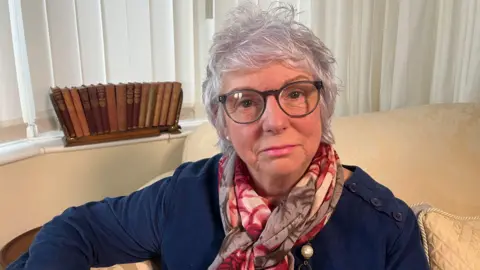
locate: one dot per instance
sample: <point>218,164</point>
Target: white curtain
<point>397,53</point>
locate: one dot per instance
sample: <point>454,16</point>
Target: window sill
<point>52,143</point>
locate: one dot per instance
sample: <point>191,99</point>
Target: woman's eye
<point>294,94</point>
<point>246,103</point>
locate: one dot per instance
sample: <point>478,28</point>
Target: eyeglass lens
<point>297,99</point>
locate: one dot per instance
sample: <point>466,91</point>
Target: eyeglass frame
<point>272,92</point>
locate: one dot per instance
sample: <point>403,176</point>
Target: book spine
<point>143,104</point>
<point>158,104</point>
<point>77,102</point>
<point>130,93</point>
<point>87,108</point>
<point>72,112</point>
<point>58,97</point>
<point>152,97</point>
<point>92,93</point>
<point>137,95</point>
<point>102,104</point>
<point>112,107</point>
<point>121,94</point>
<point>59,114</point>
<point>174,103</point>
<point>166,104</point>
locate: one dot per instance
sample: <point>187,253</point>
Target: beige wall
<point>32,191</point>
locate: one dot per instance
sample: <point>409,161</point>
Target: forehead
<point>271,77</point>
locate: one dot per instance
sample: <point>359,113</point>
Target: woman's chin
<point>280,166</point>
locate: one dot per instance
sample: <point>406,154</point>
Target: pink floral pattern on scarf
<point>260,237</point>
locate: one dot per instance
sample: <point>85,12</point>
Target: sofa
<point>429,156</point>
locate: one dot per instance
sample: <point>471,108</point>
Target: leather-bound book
<point>166,104</point>
<point>143,104</point>
<point>102,103</point>
<point>60,102</point>
<point>121,93</point>
<point>152,98</point>
<point>112,107</point>
<point>72,112</point>
<point>59,114</point>
<point>158,104</point>
<point>174,103</point>
<point>92,93</point>
<point>87,108</point>
<point>130,93</point>
<point>77,102</point>
<point>137,95</point>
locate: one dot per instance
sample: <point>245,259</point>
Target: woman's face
<point>276,145</point>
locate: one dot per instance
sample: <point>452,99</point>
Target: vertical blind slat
<point>139,42</point>
<point>62,28</point>
<point>184,48</point>
<point>163,41</point>
<point>305,7</point>
<point>39,54</point>
<point>221,9</point>
<point>8,79</point>
<point>90,38</point>
<point>117,59</point>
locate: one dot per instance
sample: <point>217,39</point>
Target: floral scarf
<point>260,237</point>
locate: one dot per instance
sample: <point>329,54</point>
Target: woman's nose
<point>274,120</point>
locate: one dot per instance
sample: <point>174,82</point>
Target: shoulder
<point>193,179</point>
<point>203,168</point>
<point>386,216</point>
<point>186,178</point>
<point>378,198</point>
<point>389,219</point>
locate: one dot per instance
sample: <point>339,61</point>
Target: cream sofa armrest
<point>158,178</point>
<point>145,265</point>
<point>201,143</point>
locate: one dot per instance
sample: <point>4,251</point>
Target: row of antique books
<point>108,108</point>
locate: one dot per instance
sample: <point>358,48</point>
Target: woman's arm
<point>407,251</point>
<point>115,230</point>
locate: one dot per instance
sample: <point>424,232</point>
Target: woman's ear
<point>225,134</point>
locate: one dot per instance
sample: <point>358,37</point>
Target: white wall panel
<point>90,36</point>
<point>115,32</point>
<point>62,26</point>
<point>139,42</point>
<point>163,40</point>
<point>9,98</point>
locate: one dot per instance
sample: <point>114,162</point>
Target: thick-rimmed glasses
<point>296,99</point>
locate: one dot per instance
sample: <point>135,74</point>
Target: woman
<point>277,197</point>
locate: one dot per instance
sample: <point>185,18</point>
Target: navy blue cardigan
<point>177,221</point>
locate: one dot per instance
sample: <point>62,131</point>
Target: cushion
<point>451,242</point>
<point>421,153</point>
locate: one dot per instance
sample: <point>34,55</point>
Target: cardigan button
<point>376,202</point>
<point>353,187</point>
<point>398,216</point>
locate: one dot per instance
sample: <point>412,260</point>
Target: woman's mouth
<point>278,151</point>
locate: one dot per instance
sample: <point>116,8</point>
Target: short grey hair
<point>253,38</point>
